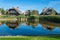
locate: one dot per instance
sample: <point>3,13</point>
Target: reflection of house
<point>12,24</point>
<point>48,11</point>
<point>14,11</point>
<point>49,27</point>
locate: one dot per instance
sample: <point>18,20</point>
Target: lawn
<point>31,38</point>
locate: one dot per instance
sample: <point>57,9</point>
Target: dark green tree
<point>2,11</point>
<point>34,12</point>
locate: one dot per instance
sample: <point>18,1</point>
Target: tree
<point>28,13</point>
<point>2,11</point>
<point>34,12</point>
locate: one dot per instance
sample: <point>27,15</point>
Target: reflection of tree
<point>13,24</point>
<point>2,22</point>
<point>32,24</point>
<point>28,23</point>
<point>32,21</point>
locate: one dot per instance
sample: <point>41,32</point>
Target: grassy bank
<point>31,38</point>
<point>49,18</point>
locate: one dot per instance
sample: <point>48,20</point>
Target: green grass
<point>32,38</point>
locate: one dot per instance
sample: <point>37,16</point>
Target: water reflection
<point>31,22</point>
<point>49,25</point>
<point>2,22</point>
<point>12,24</point>
<point>29,27</point>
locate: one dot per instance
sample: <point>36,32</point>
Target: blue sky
<point>30,4</point>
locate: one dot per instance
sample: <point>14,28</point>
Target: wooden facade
<point>13,11</point>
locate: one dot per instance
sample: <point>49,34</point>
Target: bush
<point>50,18</point>
<point>31,19</point>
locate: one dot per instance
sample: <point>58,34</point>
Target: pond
<point>14,28</point>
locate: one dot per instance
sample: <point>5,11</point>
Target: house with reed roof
<point>48,11</point>
<point>13,11</point>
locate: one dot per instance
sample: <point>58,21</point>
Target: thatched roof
<point>16,9</point>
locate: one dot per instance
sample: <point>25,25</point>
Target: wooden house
<point>13,11</point>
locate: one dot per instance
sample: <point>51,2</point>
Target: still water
<point>24,28</point>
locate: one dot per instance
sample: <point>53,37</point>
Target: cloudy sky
<point>30,4</point>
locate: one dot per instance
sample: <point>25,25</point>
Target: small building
<point>13,11</point>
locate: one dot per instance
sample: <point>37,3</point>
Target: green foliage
<point>31,19</point>
<point>2,11</point>
<point>29,13</point>
<point>50,18</point>
<point>34,12</point>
